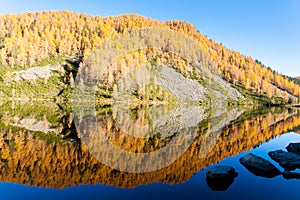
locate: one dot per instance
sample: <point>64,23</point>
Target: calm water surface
<point>47,151</point>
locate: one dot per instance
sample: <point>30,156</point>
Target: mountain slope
<point>33,39</point>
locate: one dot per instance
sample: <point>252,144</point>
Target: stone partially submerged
<point>221,172</point>
<point>287,160</point>
<point>219,178</point>
<point>259,166</point>
<point>293,147</point>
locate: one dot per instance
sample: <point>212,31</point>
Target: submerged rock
<point>291,175</point>
<point>288,160</point>
<point>293,147</point>
<point>219,178</point>
<point>259,166</point>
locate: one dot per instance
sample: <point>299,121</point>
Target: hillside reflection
<point>40,146</point>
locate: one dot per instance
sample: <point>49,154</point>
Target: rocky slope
<point>27,40</point>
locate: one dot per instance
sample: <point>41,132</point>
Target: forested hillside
<point>28,39</point>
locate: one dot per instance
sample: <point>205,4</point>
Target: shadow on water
<point>40,145</point>
<point>219,185</point>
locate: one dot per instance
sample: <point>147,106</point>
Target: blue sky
<point>267,30</point>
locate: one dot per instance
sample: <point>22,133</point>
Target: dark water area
<point>49,151</point>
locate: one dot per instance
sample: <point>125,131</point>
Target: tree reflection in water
<point>57,157</point>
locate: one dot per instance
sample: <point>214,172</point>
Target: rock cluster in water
<point>289,160</point>
<point>219,178</point>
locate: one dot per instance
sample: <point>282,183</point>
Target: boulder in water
<point>219,178</point>
<point>293,147</point>
<point>259,166</point>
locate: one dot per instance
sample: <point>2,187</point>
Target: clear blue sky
<point>267,30</point>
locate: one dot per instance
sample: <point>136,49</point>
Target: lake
<point>56,151</point>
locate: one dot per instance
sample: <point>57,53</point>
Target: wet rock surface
<point>293,147</point>
<point>287,160</point>
<point>219,178</point>
<point>259,166</point>
<point>221,172</point>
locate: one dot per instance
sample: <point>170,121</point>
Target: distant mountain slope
<point>296,80</point>
<point>32,39</point>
